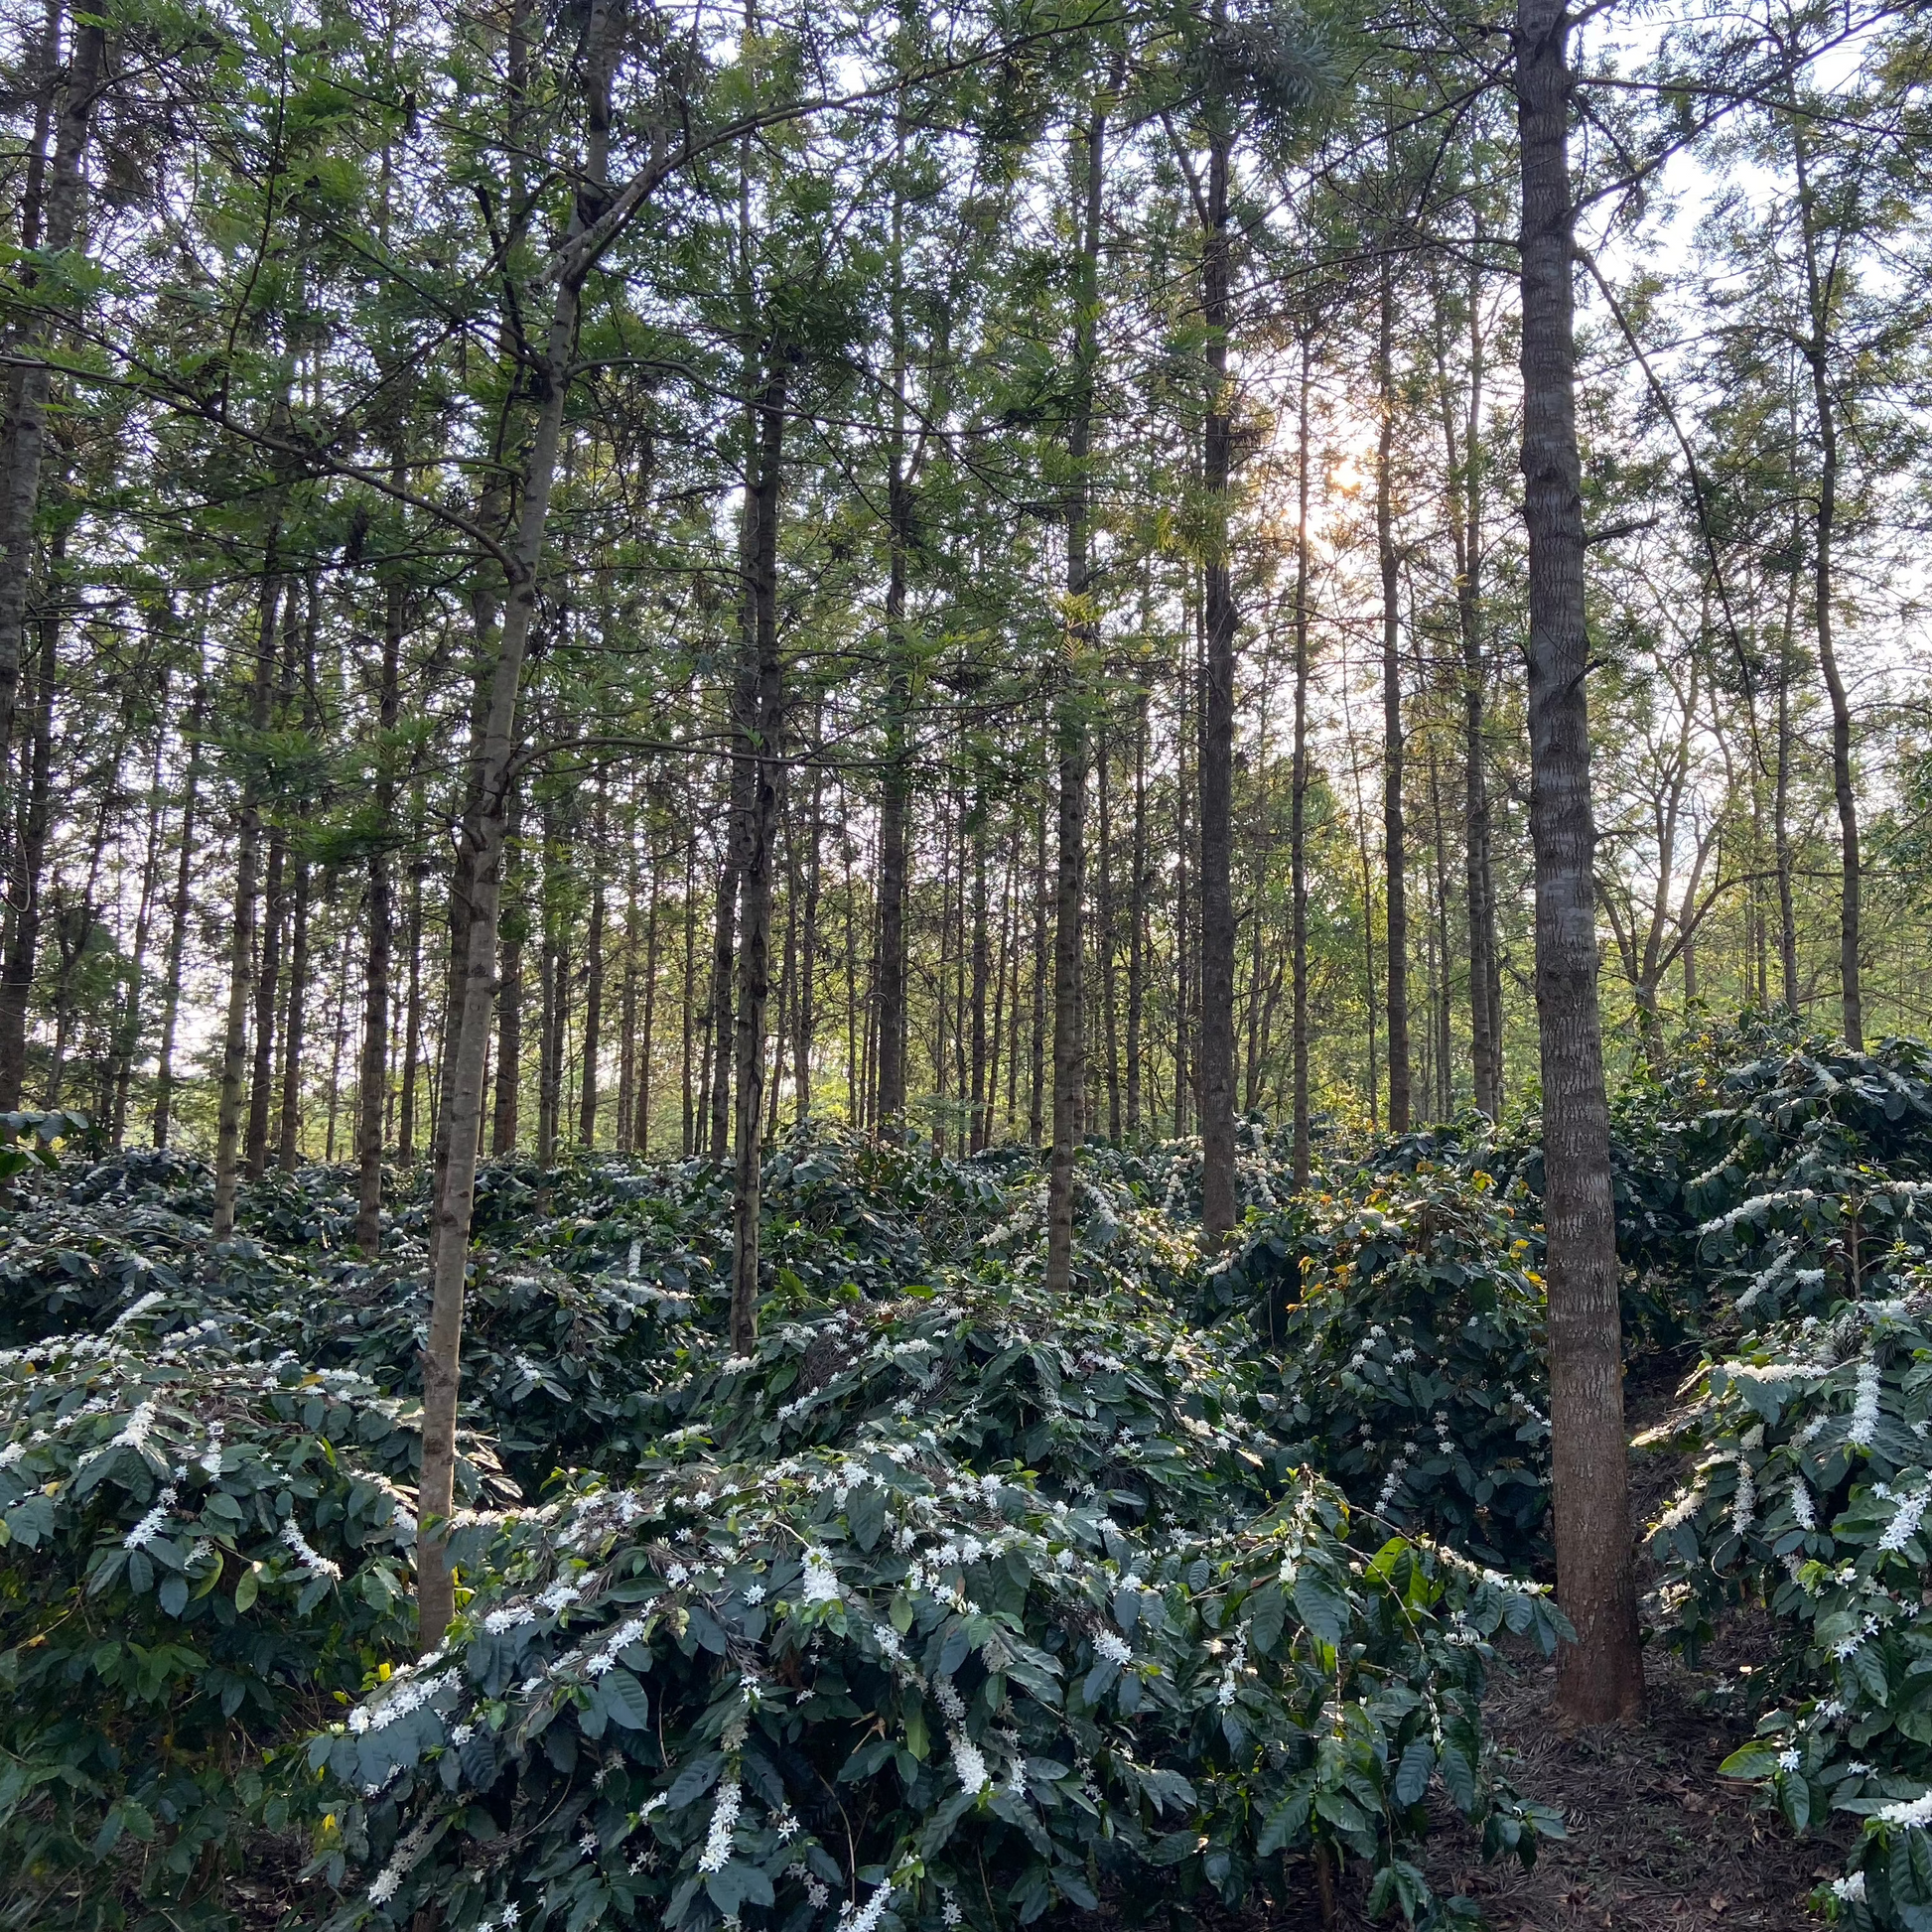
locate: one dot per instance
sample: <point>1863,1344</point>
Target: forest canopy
<point>886,893</point>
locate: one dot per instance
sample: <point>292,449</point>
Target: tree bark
<point>1822,294</point>
<point>1395,850</point>
<point>753,858</point>
<point>241,951</point>
<point>294,1024</point>
<point>177,916</point>
<point>33,821</point>
<point>60,210</point>
<point>593,986</point>
<point>1070,726</point>
<point>1600,1676</point>
<point>479,859</point>
<point>373,1084</point>
<point>1137,922</point>
<point>1298,809</point>
<point>1216,1043</point>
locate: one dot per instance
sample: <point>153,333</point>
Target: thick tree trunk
<point>1217,733</point>
<point>1395,850</point>
<point>1600,1677</point>
<point>179,912</point>
<point>1071,730</point>
<point>60,209</point>
<point>753,858</point>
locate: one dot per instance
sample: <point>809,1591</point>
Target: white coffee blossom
<point>724,1817</point>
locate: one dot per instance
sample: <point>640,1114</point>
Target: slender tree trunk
<point>592,987</point>
<point>1036,1047</point>
<point>1070,726</point>
<point>1395,854</point>
<point>480,860</point>
<point>20,476</point>
<point>1137,922</point>
<point>1780,810</point>
<point>627,999</point>
<point>1822,292</point>
<point>294,1024</point>
<point>127,1029</point>
<point>242,951</point>
<point>179,912</point>
<point>982,966</point>
<point>1600,1676</point>
<point>805,997</point>
<point>33,820</point>
<point>688,1144</point>
<point>755,861</point>
<point>412,1031</point>
<point>1298,809</point>
<point>1106,940</point>
<point>1216,1049</point>
<point>373,1084</point>
<point>647,1046</point>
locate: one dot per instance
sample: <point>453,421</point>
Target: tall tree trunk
<point>1298,809</point>
<point>982,966</point>
<point>127,1021</point>
<point>805,996</point>
<point>60,209</point>
<point>1466,535</point>
<point>1216,1049</point>
<point>688,1144</point>
<point>1822,294</point>
<point>373,1084</point>
<point>647,1045</point>
<point>1136,921</point>
<point>1070,724</point>
<point>1395,855</point>
<point>1037,1039</point>
<point>1780,809</point>
<point>179,912</point>
<point>1600,1676</point>
<point>627,999</point>
<point>1105,943</point>
<point>412,1028</point>
<point>593,985</point>
<point>267,992</point>
<point>241,951</point>
<point>755,861</point>
<point>479,859</point>
<point>294,1024</point>
<point>33,821</point>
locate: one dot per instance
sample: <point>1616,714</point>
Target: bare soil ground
<point>1657,1841</point>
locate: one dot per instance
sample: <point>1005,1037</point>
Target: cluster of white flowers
<point>1864,1405</point>
<point>1237,1662</point>
<point>406,1693</point>
<point>309,1559</point>
<point>1681,1510</point>
<point>724,1818</point>
<point>867,1918</point>
<point>1115,1649</point>
<point>821,1583</point>
<point>136,1310</point>
<point>968,1761</point>
<point>1744,1504</point>
<point>382,1887</point>
<point>149,1527</point>
<point>1907,1811</point>
<point>1906,1520</point>
<point>1849,1889</point>
<point>1802,1512</point>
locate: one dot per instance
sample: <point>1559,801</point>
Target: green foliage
<point>1403,1327</point>
<point>956,1604</point>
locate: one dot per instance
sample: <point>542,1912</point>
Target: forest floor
<point>1658,1841</point>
